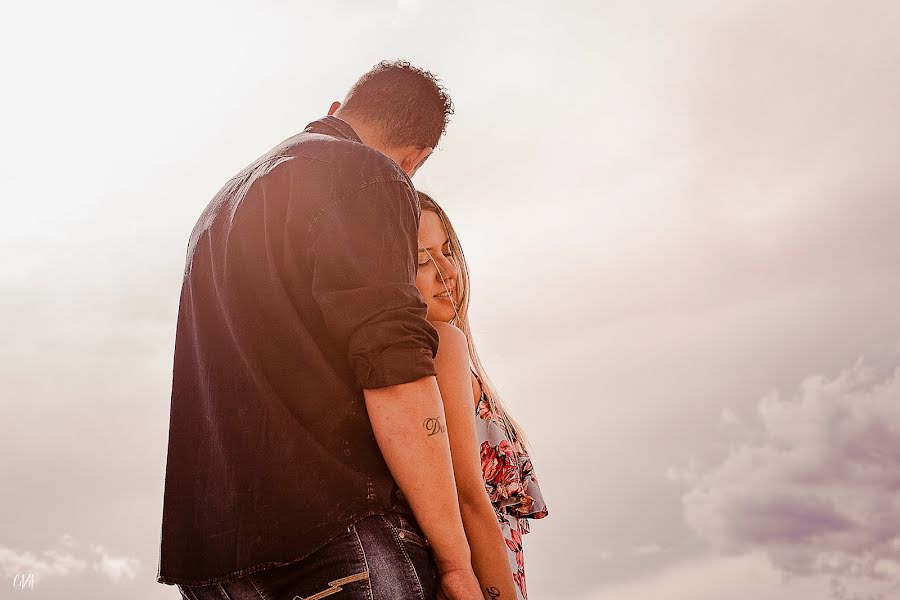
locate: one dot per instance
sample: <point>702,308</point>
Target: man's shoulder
<point>354,162</point>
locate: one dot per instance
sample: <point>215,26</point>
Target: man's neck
<point>369,135</point>
<point>373,137</point>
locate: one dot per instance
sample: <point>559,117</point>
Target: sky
<point>682,226</point>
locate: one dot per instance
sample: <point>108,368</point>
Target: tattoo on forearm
<point>433,425</point>
<point>492,592</point>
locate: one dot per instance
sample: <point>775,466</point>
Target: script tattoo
<point>433,425</point>
<point>492,592</point>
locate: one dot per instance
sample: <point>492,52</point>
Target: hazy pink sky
<point>682,223</point>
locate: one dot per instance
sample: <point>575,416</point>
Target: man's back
<point>270,449</point>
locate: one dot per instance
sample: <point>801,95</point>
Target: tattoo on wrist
<point>492,592</point>
<point>432,426</point>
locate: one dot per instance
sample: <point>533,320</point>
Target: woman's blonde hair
<point>461,302</point>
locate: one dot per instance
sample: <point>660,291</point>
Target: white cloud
<point>59,563</point>
<point>117,568</point>
<point>727,417</point>
<point>748,577</point>
<point>818,490</point>
<point>683,474</point>
<point>46,563</point>
<point>648,549</point>
<point>407,5</point>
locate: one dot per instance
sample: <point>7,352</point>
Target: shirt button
<point>402,535</point>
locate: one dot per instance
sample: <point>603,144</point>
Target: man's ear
<point>413,158</point>
<point>334,107</point>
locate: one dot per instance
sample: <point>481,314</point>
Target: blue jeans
<point>382,557</point>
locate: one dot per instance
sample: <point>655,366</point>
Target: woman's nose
<point>446,268</point>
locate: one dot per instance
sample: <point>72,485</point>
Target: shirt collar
<point>334,127</point>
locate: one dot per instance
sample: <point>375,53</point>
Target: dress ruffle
<point>509,476</point>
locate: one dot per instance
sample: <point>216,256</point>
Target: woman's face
<point>436,273</point>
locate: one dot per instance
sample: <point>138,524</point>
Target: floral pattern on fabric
<point>511,484</point>
<point>500,470</point>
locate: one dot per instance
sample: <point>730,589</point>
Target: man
<point>306,453</point>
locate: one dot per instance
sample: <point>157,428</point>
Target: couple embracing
<point>332,430</point>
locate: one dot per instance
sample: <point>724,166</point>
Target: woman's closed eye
<point>425,255</point>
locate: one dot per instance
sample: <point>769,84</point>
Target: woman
<point>495,480</point>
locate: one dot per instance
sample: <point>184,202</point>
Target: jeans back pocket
<point>407,529</point>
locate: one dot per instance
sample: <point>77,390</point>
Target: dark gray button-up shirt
<point>298,293</point>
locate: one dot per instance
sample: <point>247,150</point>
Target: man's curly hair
<point>407,103</point>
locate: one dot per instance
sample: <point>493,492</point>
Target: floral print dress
<point>510,481</point>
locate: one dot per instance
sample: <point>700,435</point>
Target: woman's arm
<point>488,548</point>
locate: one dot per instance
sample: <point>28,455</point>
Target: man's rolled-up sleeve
<point>362,256</point>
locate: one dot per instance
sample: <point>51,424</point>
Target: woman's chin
<point>439,316</point>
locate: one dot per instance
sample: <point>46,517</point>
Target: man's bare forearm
<point>408,421</point>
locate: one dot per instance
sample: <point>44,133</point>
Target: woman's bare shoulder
<point>450,335</point>
<point>453,347</point>
<point>453,354</point>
